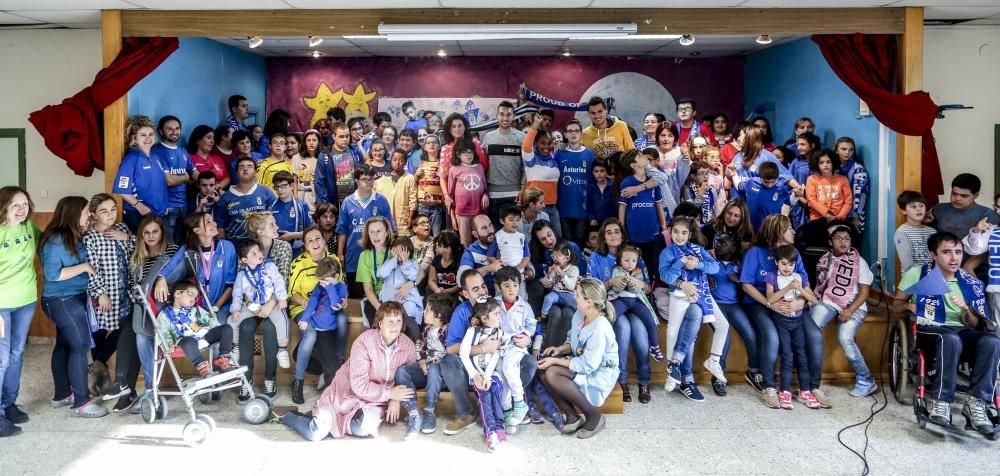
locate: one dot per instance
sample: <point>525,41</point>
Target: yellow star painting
<point>326,98</point>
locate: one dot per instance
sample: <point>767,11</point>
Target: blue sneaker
<point>673,376</point>
<point>690,390</point>
<point>864,388</point>
<point>137,406</point>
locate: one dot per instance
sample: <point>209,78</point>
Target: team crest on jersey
<point>123,182</point>
<point>259,201</point>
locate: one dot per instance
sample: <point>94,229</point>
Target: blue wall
<point>794,80</point>
<point>195,82</point>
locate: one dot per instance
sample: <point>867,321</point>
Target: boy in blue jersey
<point>574,179</point>
<point>407,144</point>
<point>179,169</point>
<point>141,182</point>
<point>642,213</point>
<point>601,201</point>
<point>245,196</point>
<point>413,123</point>
<point>767,194</point>
<point>290,214</point>
<point>356,210</point>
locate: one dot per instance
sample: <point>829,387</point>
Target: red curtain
<point>72,130</point>
<point>868,65</point>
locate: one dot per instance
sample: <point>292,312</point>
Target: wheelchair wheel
<point>195,433</point>
<point>208,420</point>
<point>899,362</point>
<point>256,411</point>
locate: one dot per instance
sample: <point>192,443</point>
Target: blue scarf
<point>993,248</point>
<point>931,310</point>
<point>182,321</point>
<point>705,299</point>
<point>707,203</point>
<point>256,278</point>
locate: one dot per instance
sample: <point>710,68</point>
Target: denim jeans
<point>767,340</point>
<point>739,321</point>
<point>630,329</point>
<point>73,341</point>
<point>635,307</point>
<point>824,313</point>
<point>145,346</point>
<point>305,426</point>
<point>562,298</point>
<point>174,221</point>
<point>436,213</point>
<point>553,212</point>
<point>16,322</point>
<point>814,350</point>
<point>308,342</point>
<point>413,377</point>
<point>686,337</point>
<point>792,342</point>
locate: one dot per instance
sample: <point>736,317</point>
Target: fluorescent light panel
<point>475,32</point>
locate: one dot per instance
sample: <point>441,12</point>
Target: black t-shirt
<point>446,277</point>
<point>709,233</point>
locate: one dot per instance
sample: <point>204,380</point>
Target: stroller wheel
<point>208,420</point>
<point>216,396</point>
<point>205,398</point>
<point>148,410</point>
<point>195,433</point>
<point>256,411</point>
<point>162,411</point>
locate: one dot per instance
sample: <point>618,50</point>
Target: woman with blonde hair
<point>141,181</point>
<point>263,229</point>
<point>585,379</point>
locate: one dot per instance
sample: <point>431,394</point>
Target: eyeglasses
<point>357,129</point>
<point>283,186</point>
<point>841,238</point>
<point>423,223</point>
<point>365,179</point>
<point>685,109</point>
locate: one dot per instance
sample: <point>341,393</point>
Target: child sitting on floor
<point>483,374</point>
<point>786,284</point>
<point>259,290</point>
<point>192,328</point>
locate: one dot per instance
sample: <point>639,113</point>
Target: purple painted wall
<point>716,83</point>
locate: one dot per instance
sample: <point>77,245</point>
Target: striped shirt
<point>911,246</point>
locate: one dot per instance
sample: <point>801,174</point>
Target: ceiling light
<point>764,39</point>
<point>567,53</point>
<point>694,53</point>
<point>363,37</point>
<point>442,54</point>
<point>314,41</point>
<point>254,41</point>
<point>686,40</point>
<point>316,54</point>
<point>469,32</point>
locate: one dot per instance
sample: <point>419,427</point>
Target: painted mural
<point>307,87</point>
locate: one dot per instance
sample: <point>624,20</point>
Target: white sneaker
<point>715,369</point>
<point>235,354</point>
<point>283,360</point>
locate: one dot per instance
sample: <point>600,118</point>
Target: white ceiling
<point>705,46</point>
<point>86,14</point>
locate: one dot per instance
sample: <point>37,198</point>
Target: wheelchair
<point>910,369</point>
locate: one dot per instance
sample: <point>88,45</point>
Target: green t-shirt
<point>952,314</point>
<point>368,264</point>
<point>17,264</point>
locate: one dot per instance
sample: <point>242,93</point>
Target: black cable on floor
<point>863,454</point>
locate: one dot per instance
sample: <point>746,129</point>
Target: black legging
<point>105,344</point>
<point>248,328</point>
<point>560,318</point>
<point>559,382</point>
<point>127,360</point>
<point>329,354</point>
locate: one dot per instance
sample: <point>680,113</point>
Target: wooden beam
<point>715,21</point>
<point>911,57</point>
<point>116,114</point>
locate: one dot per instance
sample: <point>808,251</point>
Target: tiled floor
<point>670,435</point>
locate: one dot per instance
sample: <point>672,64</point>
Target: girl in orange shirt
<point>828,194</point>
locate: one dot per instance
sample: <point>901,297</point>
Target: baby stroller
<point>196,432</point>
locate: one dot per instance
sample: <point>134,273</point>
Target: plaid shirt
<point>281,255</point>
<point>110,261</point>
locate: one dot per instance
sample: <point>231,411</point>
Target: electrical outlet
<point>44,193</point>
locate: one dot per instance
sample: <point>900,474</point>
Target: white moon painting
<point>635,95</point>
